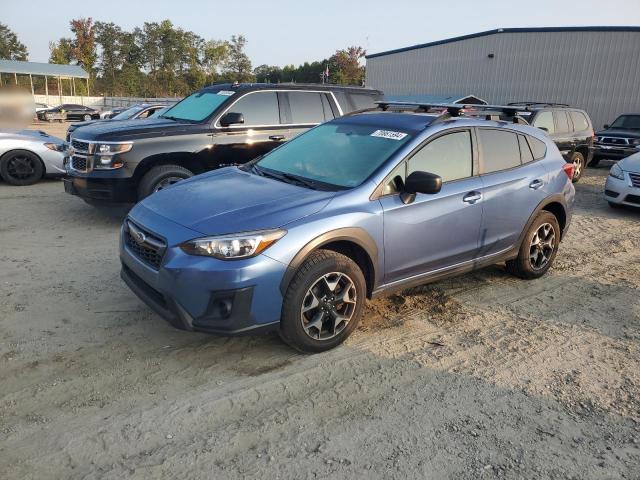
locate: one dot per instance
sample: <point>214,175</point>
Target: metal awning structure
<point>13,68</point>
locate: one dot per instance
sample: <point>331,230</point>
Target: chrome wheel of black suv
<point>538,249</point>
<point>323,303</point>
<point>578,166</point>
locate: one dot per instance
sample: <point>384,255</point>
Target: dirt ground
<point>482,376</point>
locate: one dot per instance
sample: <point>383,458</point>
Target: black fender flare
<point>556,198</point>
<point>354,235</point>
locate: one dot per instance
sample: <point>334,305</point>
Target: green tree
<point>214,55</point>
<point>109,37</point>
<point>10,47</point>
<point>345,67</point>
<point>238,66</point>
<point>60,52</point>
<point>83,46</point>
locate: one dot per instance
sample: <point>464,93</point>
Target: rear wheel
<point>21,168</point>
<point>323,303</point>
<point>538,249</point>
<point>578,166</point>
<point>161,177</point>
<point>87,117</point>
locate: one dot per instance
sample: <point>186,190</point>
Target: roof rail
<point>539,104</point>
<point>448,110</point>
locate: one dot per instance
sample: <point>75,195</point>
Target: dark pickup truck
<point>618,140</point>
<point>218,126</point>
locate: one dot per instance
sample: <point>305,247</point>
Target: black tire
<point>594,162</point>
<point>523,265</point>
<point>161,177</point>
<point>21,167</point>
<point>319,265</point>
<point>578,166</point>
<point>616,206</point>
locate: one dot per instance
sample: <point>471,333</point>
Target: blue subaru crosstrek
<point>297,240</point>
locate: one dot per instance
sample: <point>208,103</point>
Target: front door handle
<point>472,197</point>
<point>277,138</point>
<point>536,184</point>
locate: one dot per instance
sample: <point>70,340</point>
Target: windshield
<point>631,122</point>
<point>128,113</point>
<point>342,155</point>
<point>198,106</point>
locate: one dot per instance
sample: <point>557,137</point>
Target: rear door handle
<point>536,184</point>
<point>472,197</point>
<point>277,138</point>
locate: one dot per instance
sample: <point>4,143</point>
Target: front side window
<point>500,150</point>
<point>259,108</point>
<point>448,156</point>
<point>337,154</point>
<point>545,120</point>
<point>197,106</point>
<point>306,107</point>
<point>128,113</point>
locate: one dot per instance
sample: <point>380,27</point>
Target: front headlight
<point>56,147</point>
<point>231,247</point>
<point>105,154</point>
<point>616,172</point>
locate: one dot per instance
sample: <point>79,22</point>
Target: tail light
<point>569,169</point>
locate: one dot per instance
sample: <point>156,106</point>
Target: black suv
<point>218,126</point>
<point>570,129</point>
<point>618,140</point>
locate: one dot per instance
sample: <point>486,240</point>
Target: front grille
<point>614,141</point>
<point>632,199</point>
<point>145,246</point>
<point>79,145</point>
<point>635,179</point>
<point>79,163</point>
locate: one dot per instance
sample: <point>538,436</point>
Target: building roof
<point>507,30</point>
<point>453,98</point>
<point>35,68</point>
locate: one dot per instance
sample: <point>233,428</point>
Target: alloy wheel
<point>21,167</point>
<point>578,164</point>
<point>166,182</point>
<point>542,246</point>
<point>328,306</point>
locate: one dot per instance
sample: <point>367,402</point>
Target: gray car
<point>623,183</point>
<point>26,156</point>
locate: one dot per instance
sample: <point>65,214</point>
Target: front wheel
<point>538,249</point>
<point>21,168</point>
<point>161,177</point>
<point>87,118</point>
<point>578,166</point>
<point>323,303</point>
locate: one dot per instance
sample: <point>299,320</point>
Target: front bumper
<point>107,190</point>
<point>205,294</point>
<point>613,152</point>
<point>621,192</point>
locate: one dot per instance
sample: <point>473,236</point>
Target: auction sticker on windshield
<point>391,135</point>
<point>226,93</point>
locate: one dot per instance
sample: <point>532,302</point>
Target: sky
<point>283,32</point>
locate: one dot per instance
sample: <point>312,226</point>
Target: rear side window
<point>258,108</point>
<point>362,100</point>
<point>448,156</point>
<point>500,150</point>
<point>580,121</point>
<point>545,120</point>
<point>526,155</point>
<point>306,107</point>
<point>562,121</point>
<point>538,148</point>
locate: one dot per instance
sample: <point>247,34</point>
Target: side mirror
<point>420,182</point>
<point>232,118</point>
<point>606,125</point>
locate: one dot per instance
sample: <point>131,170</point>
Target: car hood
<point>631,163</point>
<point>618,132</point>
<point>231,201</point>
<point>29,135</point>
<point>132,129</point>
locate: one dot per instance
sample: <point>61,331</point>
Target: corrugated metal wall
<point>596,71</point>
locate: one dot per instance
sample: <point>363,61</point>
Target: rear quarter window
<point>306,107</point>
<point>580,121</point>
<point>538,147</point>
<point>562,121</point>
<point>500,150</point>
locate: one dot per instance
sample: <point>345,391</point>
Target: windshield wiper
<point>177,119</point>
<point>285,177</point>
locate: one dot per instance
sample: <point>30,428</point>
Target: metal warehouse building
<point>594,68</point>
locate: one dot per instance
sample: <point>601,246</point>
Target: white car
<point>26,156</point>
<point>623,183</point>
